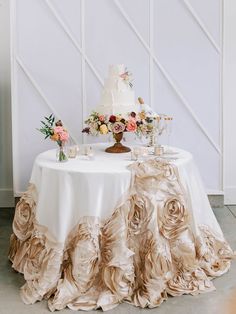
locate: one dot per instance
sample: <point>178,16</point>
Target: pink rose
<point>58,129</point>
<point>101,118</point>
<point>64,136</point>
<point>118,127</point>
<point>131,126</point>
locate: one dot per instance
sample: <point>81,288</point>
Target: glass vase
<point>62,154</point>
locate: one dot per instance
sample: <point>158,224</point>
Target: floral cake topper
<point>127,77</point>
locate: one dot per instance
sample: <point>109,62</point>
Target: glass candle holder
<point>72,151</point>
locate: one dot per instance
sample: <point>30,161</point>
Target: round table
<point>92,233</point>
<point>96,186</point>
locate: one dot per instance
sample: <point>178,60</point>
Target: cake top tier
<point>116,69</point>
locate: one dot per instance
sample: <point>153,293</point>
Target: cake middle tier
<point>114,109</point>
<point>115,97</point>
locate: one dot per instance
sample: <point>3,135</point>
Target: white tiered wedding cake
<point>117,95</point>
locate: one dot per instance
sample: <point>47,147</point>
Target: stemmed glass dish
<point>168,128</point>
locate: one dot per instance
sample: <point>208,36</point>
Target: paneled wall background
<point>61,50</point>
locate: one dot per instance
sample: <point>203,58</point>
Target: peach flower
<point>131,125</point>
<point>55,137</point>
<point>101,118</point>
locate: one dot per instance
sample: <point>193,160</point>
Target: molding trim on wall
<point>74,41</point>
<point>201,24</point>
<point>6,198</point>
<point>41,93</point>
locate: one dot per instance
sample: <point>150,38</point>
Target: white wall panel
<point>209,12</point>
<point>172,48</point>
<point>193,63</point>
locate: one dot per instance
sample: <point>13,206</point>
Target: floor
<point>210,303</point>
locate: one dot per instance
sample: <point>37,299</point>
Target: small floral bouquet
<point>102,124</point>
<point>146,124</point>
<point>57,133</point>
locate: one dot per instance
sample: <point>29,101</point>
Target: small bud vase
<point>62,154</point>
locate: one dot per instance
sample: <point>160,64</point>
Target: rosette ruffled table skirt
<point>93,234</point>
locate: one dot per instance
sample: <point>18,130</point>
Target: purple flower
<point>133,114</point>
<point>86,130</point>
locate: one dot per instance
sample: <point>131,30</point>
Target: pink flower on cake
<point>118,127</point>
<point>131,125</point>
<point>125,76</point>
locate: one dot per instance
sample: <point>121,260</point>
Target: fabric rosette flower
<point>118,127</point>
<point>174,218</point>
<point>24,214</point>
<point>23,222</point>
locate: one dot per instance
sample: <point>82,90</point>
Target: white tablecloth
<point>81,187</point>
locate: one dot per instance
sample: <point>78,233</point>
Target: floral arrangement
<point>146,123</point>
<point>102,124</point>
<point>56,132</point>
<point>127,77</point>
<point>139,123</point>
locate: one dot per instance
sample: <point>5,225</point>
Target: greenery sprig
<point>47,128</point>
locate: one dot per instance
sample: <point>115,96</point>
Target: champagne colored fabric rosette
<point>150,247</point>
